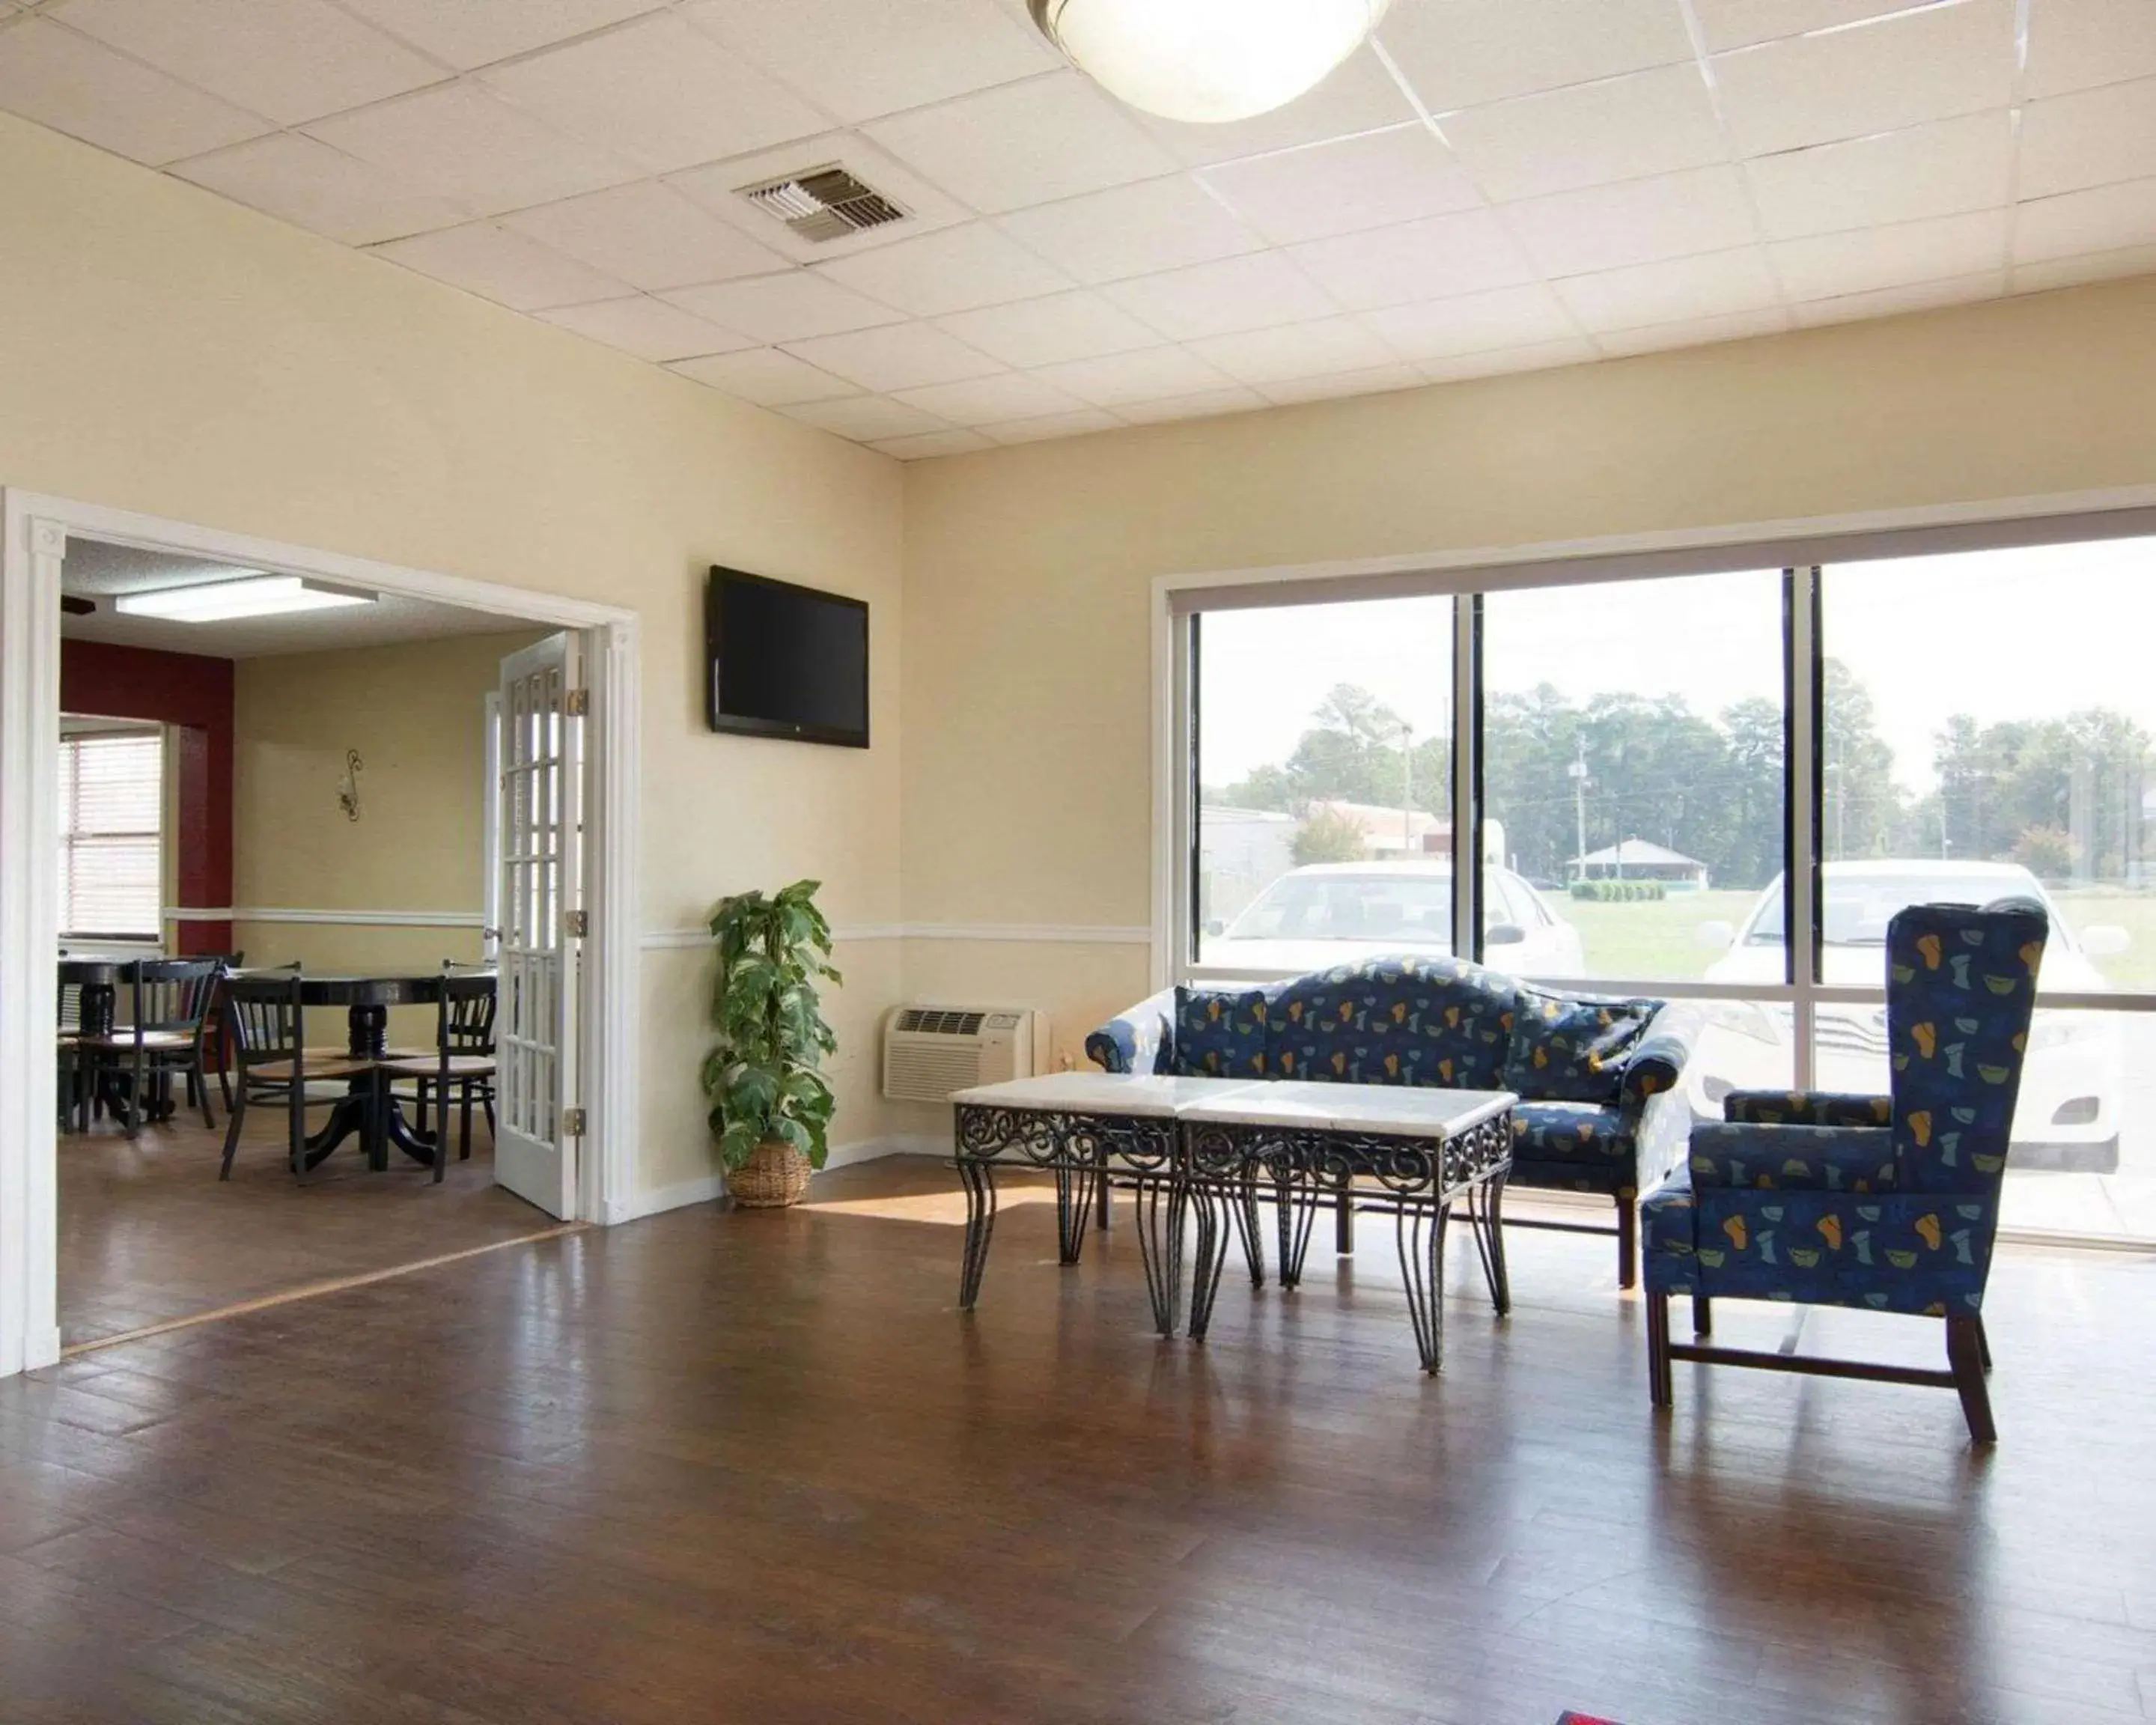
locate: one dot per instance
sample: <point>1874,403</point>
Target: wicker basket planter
<point>775,1176</point>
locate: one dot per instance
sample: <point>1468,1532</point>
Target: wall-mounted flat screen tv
<point>786,661</point>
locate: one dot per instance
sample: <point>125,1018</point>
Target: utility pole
<point>1407,787</point>
<point>1578,773</point>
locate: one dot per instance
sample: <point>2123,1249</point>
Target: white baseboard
<point>712,1186</point>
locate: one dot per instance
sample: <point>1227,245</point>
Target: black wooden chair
<point>267,1025</point>
<point>132,1066</point>
<point>67,1045</point>
<point>462,1064</point>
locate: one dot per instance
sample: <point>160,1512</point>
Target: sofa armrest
<point>1669,1237</point>
<point>1139,1039</point>
<point>1799,1107</point>
<point>1793,1158</point>
<point>1657,1063</point>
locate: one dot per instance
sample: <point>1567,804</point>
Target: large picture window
<point>111,819</point>
<point>1667,773</point>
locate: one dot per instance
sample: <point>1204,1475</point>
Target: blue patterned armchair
<point>1600,1109</point>
<point>1888,1203</point>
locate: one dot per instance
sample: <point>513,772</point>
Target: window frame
<point>70,841</point>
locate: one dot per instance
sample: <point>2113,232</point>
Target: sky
<point>2027,632</point>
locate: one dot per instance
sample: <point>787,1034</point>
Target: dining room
<point>280,869</point>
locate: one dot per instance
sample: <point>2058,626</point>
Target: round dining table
<point>99,980</point>
<point>371,1109</point>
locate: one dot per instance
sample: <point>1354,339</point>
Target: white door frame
<point>36,530</point>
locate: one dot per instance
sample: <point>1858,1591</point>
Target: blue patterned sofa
<point>1600,1106</point>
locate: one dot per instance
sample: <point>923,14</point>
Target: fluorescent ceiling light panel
<point>254,595</point>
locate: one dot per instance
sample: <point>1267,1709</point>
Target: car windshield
<point>1858,907</point>
<point>1351,907</point>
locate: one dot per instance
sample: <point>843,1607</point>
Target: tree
<point>1862,812</point>
<point>2046,852</point>
<point>1328,835</point>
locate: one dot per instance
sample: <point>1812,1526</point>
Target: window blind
<point>111,815</point>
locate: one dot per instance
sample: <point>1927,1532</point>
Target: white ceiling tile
<point>1150,374</point>
<point>2074,44</point>
<point>1694,332</point>
<point>1132,230</point>
<point>2090,266</point>
<point>1360,96</point>
<point>792,306</point>
<point>649,235</point>
<point>858,62</point>
<point>1205,404</point>
<point>1702,209</point>
<point>1710,284</point>
<point>1047,331</point>
<point>1378,380</point>
<point>766,377</point>
<point>1429,259</point>
<point>924,444</point>
<point>1457,52</point>
<point>74,85</point>
<point>1300,350</point>
<point>496,264</point>
<point>1902,70</point>
<point>1049,425</point>
<point>649,328</point>
<point>716,187</point>
<point>1617,129</point>
<point>2092,137</point>
<point>865,417</point>
<point>662,94</point>
<point>1217,299</point>
<point>2101,219</point>
<point>1025,143</point>
<point>908,356</point>
<point>1740,24</point>
<point>954,269</point>
<point>1938,170</point>
<point>1366,182</point>
<point>1469,323</point>
<point>1893,302</point>
<point>289,175</point>
<point>468,33</point>
<point>1535,357</point>
<point>457,141</point>
<point>1865,260</point>
<point>291,59</point>
<point>984,401</point>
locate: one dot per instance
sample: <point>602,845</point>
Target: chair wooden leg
<point>1628,1240</point>
<point>1702,1315</point>
<point>1659,1389</point>
<point>1965,1357</point>
<point>198,1082</point>
<point>486,1103</point>
<point>238,1113</point>
<point>1983,1344</point>
<point>464,1124</point>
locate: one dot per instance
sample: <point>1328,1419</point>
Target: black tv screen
<point>787,660</point>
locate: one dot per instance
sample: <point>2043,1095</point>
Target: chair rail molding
<point>1043,934</point>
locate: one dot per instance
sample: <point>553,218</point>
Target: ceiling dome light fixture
<point>1208,60</point>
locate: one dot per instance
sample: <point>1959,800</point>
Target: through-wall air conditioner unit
<point>929,1051</point>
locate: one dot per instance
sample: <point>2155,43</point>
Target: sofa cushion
<point>1420,1021</point>
<point>1571,1050</point>
<point>1221,1033</point>
<point>1570,1132</point>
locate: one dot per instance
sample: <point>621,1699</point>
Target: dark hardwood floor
<point>148,1233</point>
<point>754,1467</point>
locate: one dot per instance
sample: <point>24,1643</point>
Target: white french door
<point>540,897</point>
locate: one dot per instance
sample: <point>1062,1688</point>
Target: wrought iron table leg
<point>1214,1202</point>
<point>1296,1195</point>
<point>1422,1228</point>
<point>978,1177</point>
<point>1159,1204</point>
<point>1485,1205</point>
<point>1248,1226</point>
<point>1074,1204</point>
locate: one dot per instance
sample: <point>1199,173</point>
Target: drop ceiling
<point>1493,185</point>
<point>100,572</point>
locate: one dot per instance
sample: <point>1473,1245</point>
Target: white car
<point>2072,1087</point>
<point>1324,914</point>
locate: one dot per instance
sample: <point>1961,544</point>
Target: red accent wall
<point>194,693</point>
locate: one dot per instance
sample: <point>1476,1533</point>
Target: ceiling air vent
<point>824,203</point>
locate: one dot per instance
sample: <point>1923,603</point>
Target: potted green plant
<point>771,1104</point>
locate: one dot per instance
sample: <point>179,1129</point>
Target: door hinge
<point>580,925</point>
<point>573,1122</point>
<point>577,703</point>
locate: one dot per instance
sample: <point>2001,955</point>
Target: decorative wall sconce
<point>348,793</point>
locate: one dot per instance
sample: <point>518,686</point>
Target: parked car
<point>1338,913</point>
<point>2073,1086</point>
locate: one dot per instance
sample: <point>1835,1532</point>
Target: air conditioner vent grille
<point>824,204</point>
<point>935,1023</point>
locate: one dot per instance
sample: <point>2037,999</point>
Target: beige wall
<point>164,351</point>
<point>1028,570</point>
